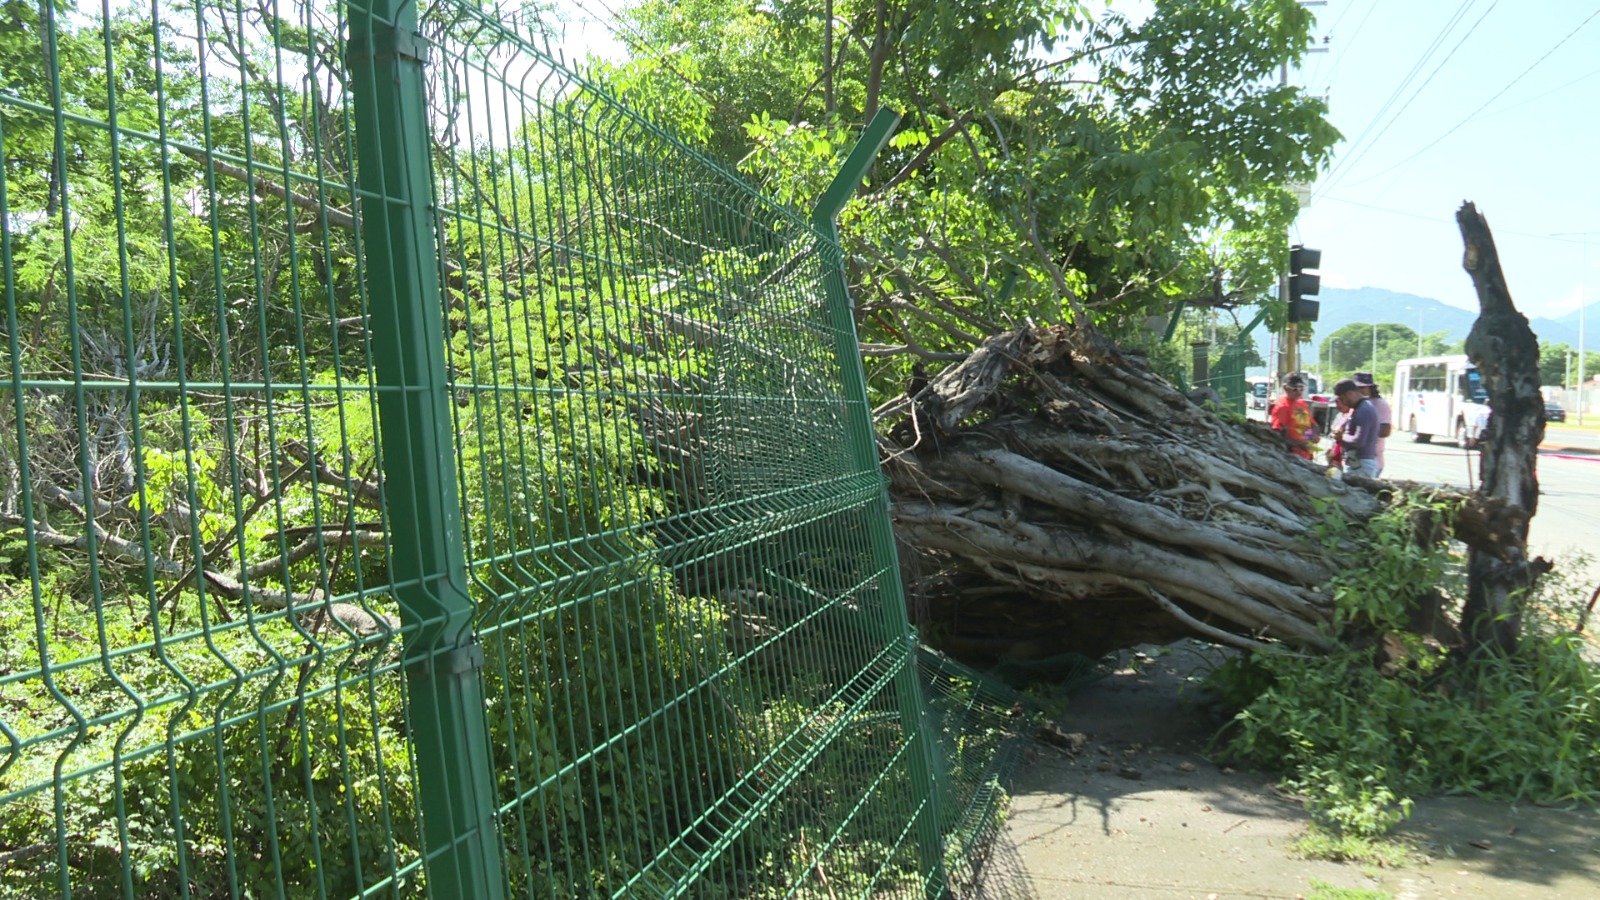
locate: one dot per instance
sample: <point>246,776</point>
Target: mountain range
<point>1343,306</point>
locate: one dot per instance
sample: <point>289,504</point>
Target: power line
<point>1414,95</point>
<point>1344,46</point>
<point>1393,212</point>
<point>1361,139</point>
<point>1497,96</point>
<point>1332,61</point>
<point>1450,221</point>
<point>1360,146</point>
<point>1536,97</point>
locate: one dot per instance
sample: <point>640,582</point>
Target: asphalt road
<point>1567,524</point>
<point>1575,438</point>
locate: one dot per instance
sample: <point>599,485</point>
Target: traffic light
<point>1303,284</point>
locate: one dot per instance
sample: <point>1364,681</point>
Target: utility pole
<point>1291,331</point>
<point>1290,359</point>
<point>1291,334</point>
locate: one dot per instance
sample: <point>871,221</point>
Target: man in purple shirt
<point>1369,390</point>
<point>1359,442</point>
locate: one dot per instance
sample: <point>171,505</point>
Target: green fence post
<point>863,446</point>
<point>443,658</point>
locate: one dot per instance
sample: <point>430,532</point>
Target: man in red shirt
<point>1292,416</point>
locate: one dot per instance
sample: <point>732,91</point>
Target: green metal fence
<point>423,476</point>
<point>1226,371</point>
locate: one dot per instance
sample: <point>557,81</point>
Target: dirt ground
<point>1138,811</point>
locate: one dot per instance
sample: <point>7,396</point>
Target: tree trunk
<point>1506,353</point>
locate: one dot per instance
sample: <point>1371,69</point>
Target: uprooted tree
<point>1052,495</point>
<point>1050,491</point>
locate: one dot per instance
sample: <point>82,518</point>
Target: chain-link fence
<point>423,476</point>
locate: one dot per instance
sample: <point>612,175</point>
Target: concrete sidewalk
<point>1139,812</point>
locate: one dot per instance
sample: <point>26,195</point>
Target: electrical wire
<point>1344,46</point>
<point>1334,58</point>
<point>1450,222</point>
<point>1360,146</point>
<point>1498,94</point>
<point>1414,95</point>
<point>1536,97</point>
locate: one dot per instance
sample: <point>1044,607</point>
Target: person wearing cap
<point>1359,442</point>
<point>1369,389</point>
<point>1292,416</point>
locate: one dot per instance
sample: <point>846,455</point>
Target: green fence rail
<point>421,475</point>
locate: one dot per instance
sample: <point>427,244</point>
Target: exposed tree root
<point>1054,496</point>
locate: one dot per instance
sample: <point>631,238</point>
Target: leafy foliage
<point>1321,843</point>
<point>1558,364</point>
<point>204,689</point>
<point>294,765</point>
<point>1321,890</point>
<point>1360,740</point>
<point>1350,349</point>
<point>1049,164</point>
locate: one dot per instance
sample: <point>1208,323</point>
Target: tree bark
<point>1053,496</point>
<point>1506,353</point>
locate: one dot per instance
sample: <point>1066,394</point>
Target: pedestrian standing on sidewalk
<point>1336,452</point>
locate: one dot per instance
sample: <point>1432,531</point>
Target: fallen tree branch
<point>1050,496</point>
<point>237,587</point>
<point>368,491</point>
<point>263,185</point>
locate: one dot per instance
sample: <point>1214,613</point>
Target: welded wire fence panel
<point>695,655</point>
<point>199,662</point>
<point>235,398</point>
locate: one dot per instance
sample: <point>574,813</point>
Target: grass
<point>1321,890</point>
<point>1322,843</point>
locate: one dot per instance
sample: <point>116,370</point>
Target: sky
<point>1441,101</point>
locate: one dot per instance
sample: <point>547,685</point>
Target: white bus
<point>1439,395</point>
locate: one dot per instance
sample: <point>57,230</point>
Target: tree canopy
<point>1052,163</point>
<point>1365,347</point>
<point>1558,364</point>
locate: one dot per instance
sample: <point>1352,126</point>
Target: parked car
<point>1554,412</point>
